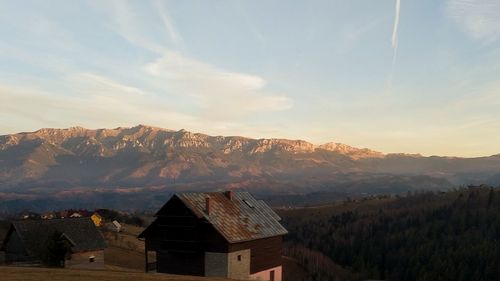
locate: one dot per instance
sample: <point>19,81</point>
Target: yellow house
<point>97,219</point>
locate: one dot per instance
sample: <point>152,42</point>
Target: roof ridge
<point>81,232</point>
<point>260,221</point>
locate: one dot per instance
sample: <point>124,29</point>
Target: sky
<point>419,76</point>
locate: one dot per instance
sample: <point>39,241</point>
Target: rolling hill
<point>423,236</point>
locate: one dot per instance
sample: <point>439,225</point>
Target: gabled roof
<point>239,219</point>
<point>81,232</point>
<point>96,214</point>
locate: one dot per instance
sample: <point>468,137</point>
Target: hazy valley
<point>143,165</point>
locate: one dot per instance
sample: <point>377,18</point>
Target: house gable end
<point>176,207</point>
<point>6,238</point>
<point>174,212</point>
<point>14,247</point>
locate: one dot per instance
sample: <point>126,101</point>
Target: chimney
<point>207,205</point>
<point>229,194</point>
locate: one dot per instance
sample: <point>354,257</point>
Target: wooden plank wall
<point>181,239</point>
<point>265,253</point>
<point>181,263</point>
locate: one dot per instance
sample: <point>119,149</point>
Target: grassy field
<point>125,250</point>
<point>115,257</point>
<point>124,259</point>
<point>126,239</point>
<point>36,274</point>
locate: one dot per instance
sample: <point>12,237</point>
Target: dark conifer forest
<point>422,236</point>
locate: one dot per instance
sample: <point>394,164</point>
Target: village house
<point>64,214</point>
<point>113,226</point>
<point>48,216</point>
<point>26,238</point>
<point>29,215</point>
<point>76,215</point>
<point>216,234</point>
<point>97,219</point>
<point>116,226</point>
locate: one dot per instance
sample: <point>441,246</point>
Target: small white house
<point>114,226</point>
<point>117,226</point>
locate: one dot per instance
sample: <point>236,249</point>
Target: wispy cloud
<point>94,100</point>
<point>103,85</point>
<point>220,93</point>
<point>168,23</point>
<point>126,23</point>
<point>478,18</point>
<point>168,89</point>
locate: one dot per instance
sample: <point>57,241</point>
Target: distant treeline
<point>423,236</point>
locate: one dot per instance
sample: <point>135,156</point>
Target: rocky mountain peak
<point>154,138</point>
<point>353,152</point>
<point>147,156</point>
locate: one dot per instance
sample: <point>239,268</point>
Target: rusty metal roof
<point>239,219</point>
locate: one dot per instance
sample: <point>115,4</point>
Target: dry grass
<point>125,250</point>
<point>127,239</point>
<point>132,229</point>
<point>39,274</point>
<point>123,258</point>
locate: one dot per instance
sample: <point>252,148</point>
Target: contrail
<point>396,24</point>
<point>394,41</point>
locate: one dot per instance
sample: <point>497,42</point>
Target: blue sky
<point>343,71</point>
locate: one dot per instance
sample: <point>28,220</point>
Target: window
<point>91,259</point>
<point>239,257</point>
<point>271,275</point>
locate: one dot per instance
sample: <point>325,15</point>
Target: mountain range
<point>142,161</point>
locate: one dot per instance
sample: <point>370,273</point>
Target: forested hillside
<point>425,236</point>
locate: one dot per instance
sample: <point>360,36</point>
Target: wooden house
<point>217,234</point>
<point>26,238</point>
